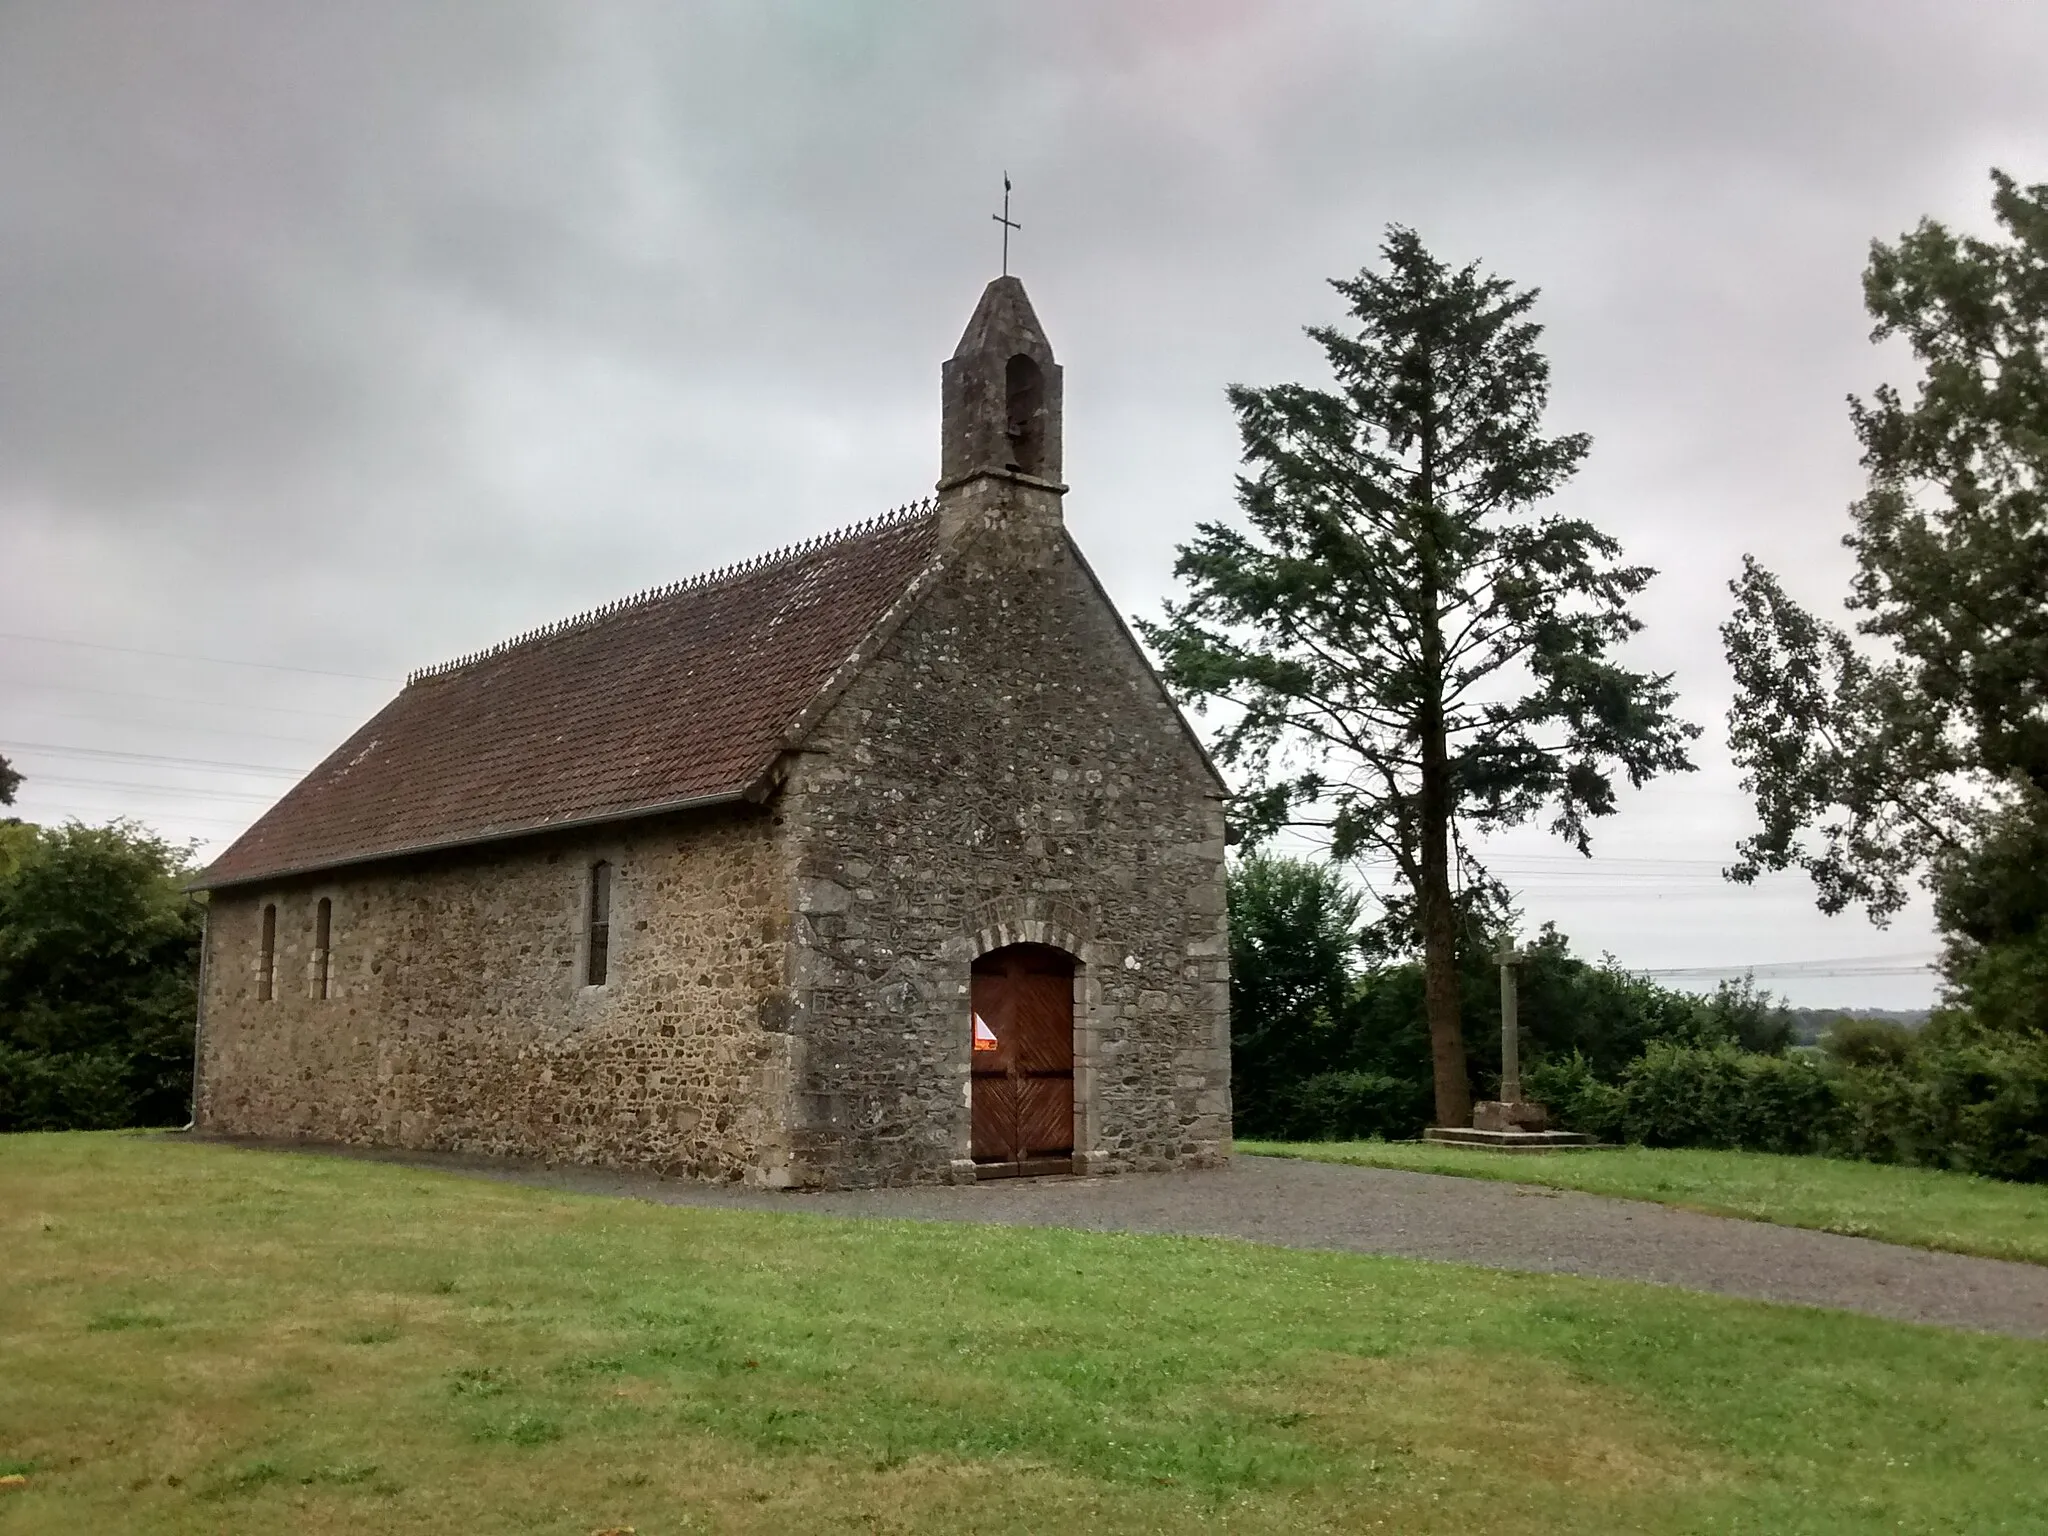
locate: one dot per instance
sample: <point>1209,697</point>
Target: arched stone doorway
<point>1022,1061</point>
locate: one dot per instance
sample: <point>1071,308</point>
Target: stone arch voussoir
<point>996,925</point>
<point>1040,920</point>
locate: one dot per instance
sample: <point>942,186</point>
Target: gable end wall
<point>1006,769</point>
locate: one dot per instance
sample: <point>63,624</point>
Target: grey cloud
<point>361,335</point>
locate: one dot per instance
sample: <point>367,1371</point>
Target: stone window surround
<point>618,925</point>
<point>264,966</point>
<point>1087,1031</point>
<point>319,961</point>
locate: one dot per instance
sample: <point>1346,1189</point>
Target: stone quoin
<point>717,880</point>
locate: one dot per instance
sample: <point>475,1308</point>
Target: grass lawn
<point>197,1338</point>
<point>1924,1207</point>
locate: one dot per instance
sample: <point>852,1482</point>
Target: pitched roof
<point>683,695</point>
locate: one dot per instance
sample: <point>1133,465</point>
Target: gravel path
<point>1298,1204</point>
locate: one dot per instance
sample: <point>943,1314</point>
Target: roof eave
<point>751,793</point>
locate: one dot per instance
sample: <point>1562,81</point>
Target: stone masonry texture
<point>457,1018</point>
<point>1007,769</point>
<point>787,1001</point>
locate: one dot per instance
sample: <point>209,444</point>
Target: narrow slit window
<point>266,957</point>
<point>1024,387</point>
<point>323,926</point>
<point>600,936</point>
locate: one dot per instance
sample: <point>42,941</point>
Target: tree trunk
<point>1440,937</point>
<point>1438,913</point>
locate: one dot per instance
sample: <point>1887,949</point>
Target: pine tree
<point>1408,652</point>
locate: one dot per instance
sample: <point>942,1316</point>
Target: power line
<point>166,698</point>
<point>170,725</point>
<point>153,757</point>
<point>81,812</point>
<point>148,789</point>
<point>1504,862</point>
<point>215,661</point>
<point>1792,970</point>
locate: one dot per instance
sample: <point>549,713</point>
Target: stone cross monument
<point>1509,1123</point>
<point>1510,1112</point>
<point>1510,1027</point>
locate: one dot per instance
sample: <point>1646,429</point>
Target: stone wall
<point>1006,769</point>
<point>457,1018</point>
<point>789,987</point>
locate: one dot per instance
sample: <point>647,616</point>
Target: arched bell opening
<point>1024,414</point>
<point>1021,1061</point>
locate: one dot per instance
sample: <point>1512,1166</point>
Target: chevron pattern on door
<point>1023,1061</point>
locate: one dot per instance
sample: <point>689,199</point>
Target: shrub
<point>1291,952</point>
<point>1965,1098</point>
<point>1958,1097</point>
<point>1576,1097</point>
<point>1853,1042</point>
<point>98,954</point>
<point>1349,1106</point>
<point>1752,1018</point>
<point>75,1091</point>
<point>1690,1096</point>
<point>2000,1092</point>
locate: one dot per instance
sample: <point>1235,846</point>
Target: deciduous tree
<point>1916,748</point>
<point>98,953</point>
<point>1293,952</point>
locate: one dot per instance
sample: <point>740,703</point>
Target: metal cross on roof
<point>1007,222</point>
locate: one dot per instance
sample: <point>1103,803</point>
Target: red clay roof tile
<point>681,695</point>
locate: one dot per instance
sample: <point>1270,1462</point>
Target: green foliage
<point>1991,900</point>
<point>1577,1097</point>
<point>1291,948</point>
<point>1407,647</point>
<point>1962,1097</point>
<point>1395,561</point>
<point>1722,1096</point>
<point>10,781</point>
<point>1569,1005</point>
<point>1752,1018</point>
<point>1323,1050</point>
<point>1869,1043</point>
<point>1956,1096</point>
<point>1922,751</point>
<point>16,839</point>
<point>1326,1054</point>
<point>2004,983</point>
<point>1347,1106</point>
<point>89,1090</point>
<point>98,954</point>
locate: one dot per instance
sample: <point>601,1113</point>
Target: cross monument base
<point>1508,1140</point>
<point>1515,1115</point>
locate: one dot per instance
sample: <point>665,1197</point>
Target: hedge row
<point>75,1091</point>
<point>1978,1104</point>
<point>1346,1106</point>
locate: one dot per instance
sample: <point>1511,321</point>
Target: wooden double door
<point>1023,1061</point>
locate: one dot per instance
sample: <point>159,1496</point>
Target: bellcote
<point>1001,416</point>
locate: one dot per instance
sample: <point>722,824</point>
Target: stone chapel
<point>883,859</point>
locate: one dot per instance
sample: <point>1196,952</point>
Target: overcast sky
<point>350,338</point>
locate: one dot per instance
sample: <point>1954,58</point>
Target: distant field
<point>202,1339</point>
<point>1924,1207</point>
